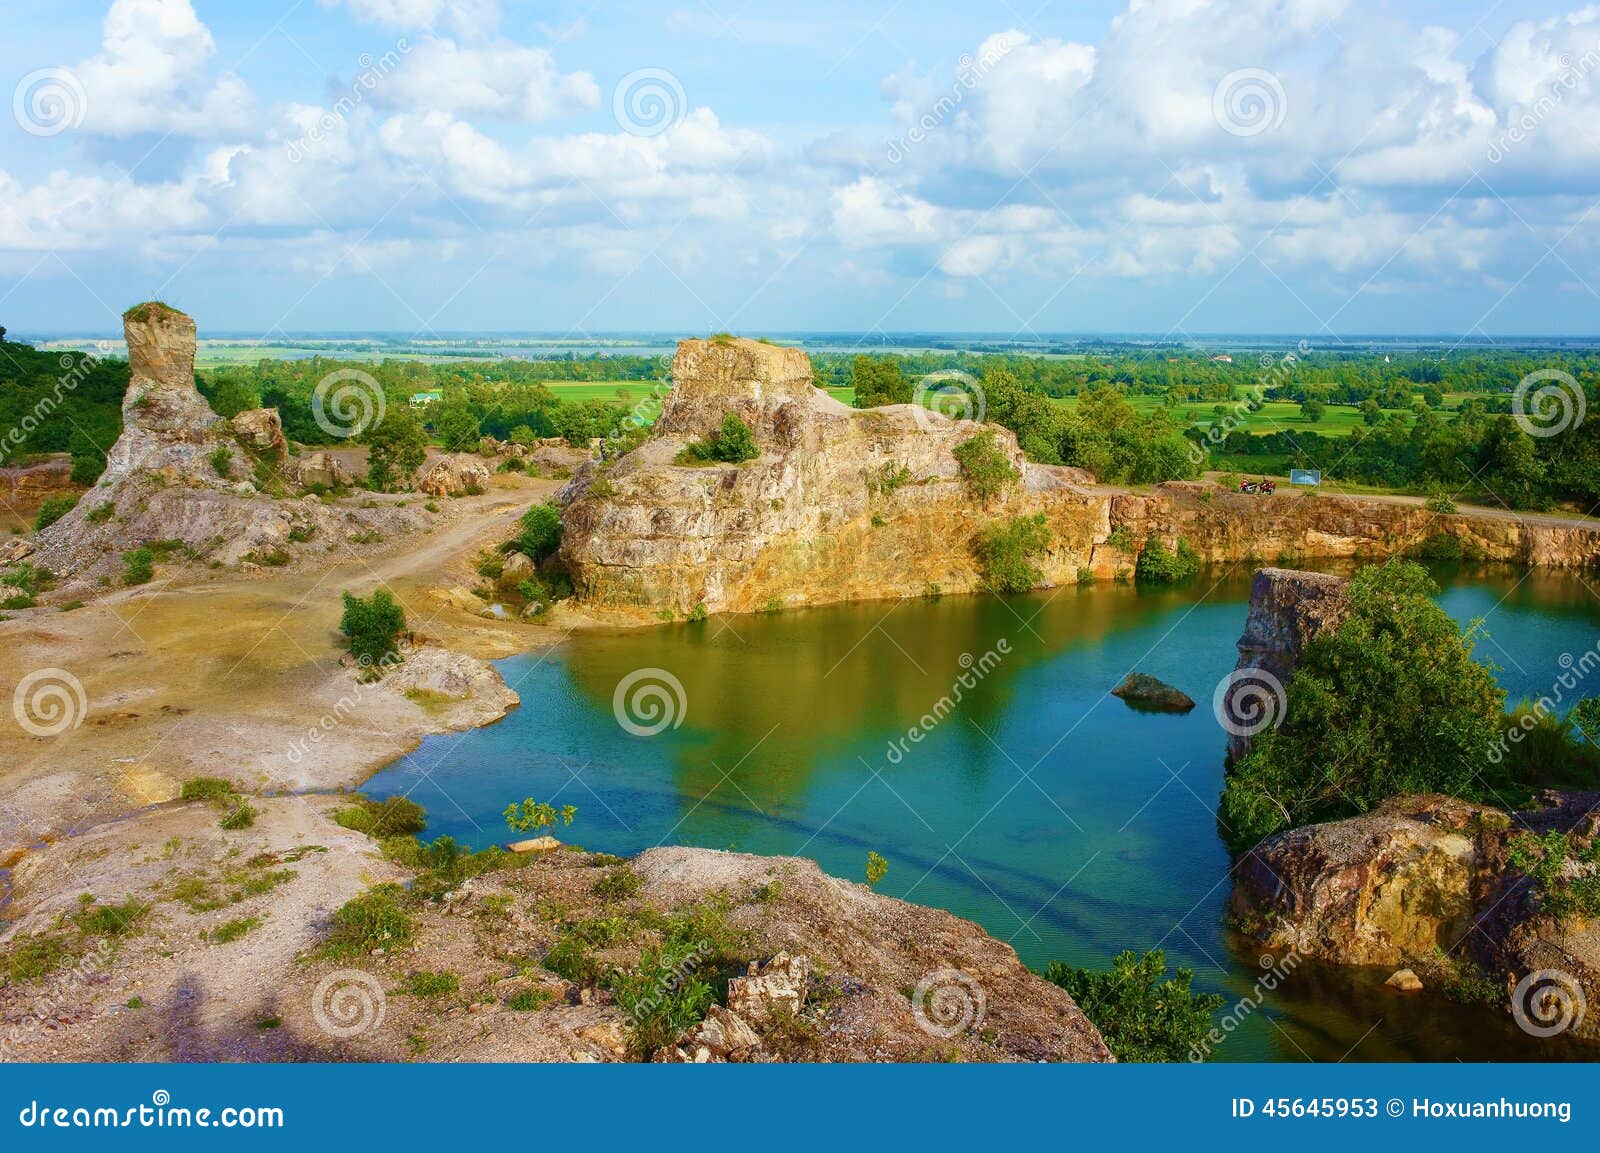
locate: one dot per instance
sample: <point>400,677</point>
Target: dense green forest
<point>1423,422</point>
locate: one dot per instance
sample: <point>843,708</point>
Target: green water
<point>1039,806</point>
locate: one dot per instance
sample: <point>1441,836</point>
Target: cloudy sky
<point>1305,167</point>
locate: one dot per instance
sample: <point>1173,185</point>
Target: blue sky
<point>1303,167</point>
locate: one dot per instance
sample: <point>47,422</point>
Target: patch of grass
<point>222,461</point>
<point>31,958</point>
<point>663,995</point>
<point>120,920</point>
<point>377,919</point>
<point>270,1022</point>
<point>206,789</point>
<point>101,513</point>
<point>529,1000</point>
<point>232,930</point>
<point>618,885</point>
<point>429,984</point>
<point>134,1003</point>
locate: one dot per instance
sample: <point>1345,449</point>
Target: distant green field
<point>1273,416</point>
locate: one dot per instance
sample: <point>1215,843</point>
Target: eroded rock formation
<point>1288,609</point>
<point>847,504</point>
<point>1425,882</point>
<point>162,480</point>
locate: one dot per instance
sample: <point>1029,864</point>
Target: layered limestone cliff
<point>841,504</point>
<point>1288,610</point>
<point>848,504</point>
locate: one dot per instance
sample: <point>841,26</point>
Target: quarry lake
<point>1041,807</point>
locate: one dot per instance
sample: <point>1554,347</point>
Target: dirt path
<point>224,675</point>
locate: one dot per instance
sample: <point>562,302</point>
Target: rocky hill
<point>847,504</point>
<point>186,478</point>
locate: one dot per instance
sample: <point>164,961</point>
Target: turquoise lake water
<point>1040,807</point>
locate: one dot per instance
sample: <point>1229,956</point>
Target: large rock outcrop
<point>161,481</point>
<point>841,504</point>
<point>1288,610</point>
<point>1426,882</point>
<point>848,504</point>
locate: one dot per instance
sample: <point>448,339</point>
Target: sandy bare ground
<point>224,674</point>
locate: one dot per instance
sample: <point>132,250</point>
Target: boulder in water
<point>1151,695</point>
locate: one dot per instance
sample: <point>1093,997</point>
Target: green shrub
<point>663,996</point>
<point>540,533</point>
<point>985,469</point>
<point>373,626</point>
<point>877,868</point>
<point>1159,565</point>
<point>240,816</point>
<point>1566,881</point>
<point>222,461</point>
<point>375,920</point>
<point>101,513</point>
<point>1441,503</point>
<point>1006,553</point>
<point>206,789</point>
<point>54,508</point>
<point>390,817</point>
<point>1122,540</point>
<point>732,443</point>
<point>890,477</point>
<point>1390,703</point>
<point>1142,1017</point>
<point>618,885</point>
<point>138,566</point>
